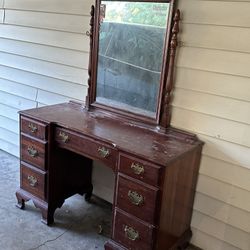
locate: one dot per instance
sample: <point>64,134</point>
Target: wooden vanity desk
<point>155,165</point>
<point>155,172</point>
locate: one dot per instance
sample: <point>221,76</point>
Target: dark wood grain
<point>150,174</point>
<point>34,128</point>
<point>38,189</point>
<point>30,143</point>
<point>145,231</point>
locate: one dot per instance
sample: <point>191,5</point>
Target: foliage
<point>138,13</point>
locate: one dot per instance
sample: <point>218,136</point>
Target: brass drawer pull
<point>103,152</point>
<point>32,181</point>
<point>32,152</point>
<point>137,168</point>
<point>33,128</point>
<point>64,137</point>
<point>131,233</point>
<point>135,198</point>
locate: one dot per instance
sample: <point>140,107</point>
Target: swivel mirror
<point>130,60</point>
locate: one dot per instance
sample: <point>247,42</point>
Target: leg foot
<point>88,195</point>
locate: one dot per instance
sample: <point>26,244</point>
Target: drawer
<point>132,233</point>
<point>33,128</point>
<point>139,169</point>
<point>33,181</point>
<point>137,199</point>
<point>86,146</point>
<point>33,151</point>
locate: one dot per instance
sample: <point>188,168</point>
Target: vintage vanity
<point>124,124</point>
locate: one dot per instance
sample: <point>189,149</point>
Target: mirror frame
<point>163,112</point>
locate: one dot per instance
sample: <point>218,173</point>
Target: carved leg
<point>20,203</point>
<point>48,216</point>
<point>89,194</point>
<point>20,200</point>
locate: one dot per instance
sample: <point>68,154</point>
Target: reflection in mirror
<point>131,44</point>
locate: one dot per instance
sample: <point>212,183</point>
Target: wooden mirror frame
<point>163,112</point>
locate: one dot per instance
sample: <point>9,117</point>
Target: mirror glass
<point>131,45</point>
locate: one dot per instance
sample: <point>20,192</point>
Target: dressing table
<point>125,124</point>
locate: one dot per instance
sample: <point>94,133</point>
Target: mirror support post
<point>90,34</point>
<point>167,94</point>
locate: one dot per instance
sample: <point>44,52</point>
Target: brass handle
<point>32,152</point>
<point>135,198</point>
<point>137,168</point>
<point>33,128</point>
<point>103,152</point>
<point>64,137</point>
<point>32,180</point>
<point>131,233</point>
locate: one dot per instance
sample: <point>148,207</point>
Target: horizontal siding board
<point>77,7</point>
<point>44,82</point>
<point>216,37</point>
<point>220,230</point>
<point>224,192</point>
<point>16,101</point>
<point>232,13</point>
<point>17,89</point>
<point>58,71</point>
<point>7,135</point>
<point>227,108</point>
<point>208,242</point>
<point>226,172</point>
<point>227,62</point>
<point>12,125</point>
<point>235,87</point>
<point>50,98</point>
<point>66,40</point>
<point>9,112</point>
<point>9,147</point>
<point>46,53</point>
<point>226,151</point>
<point>69,23</point>
<point>223,129</point>
<point>223,212</point>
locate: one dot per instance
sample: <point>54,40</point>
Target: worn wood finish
<point>145,232</point>
<point>33,151</point>
<point>147,172</point>
<point>169,159</point>
<point>127,198</point>
<point>33,181</point>
<point>34,128</point>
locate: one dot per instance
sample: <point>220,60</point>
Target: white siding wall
<point>212,99</point>
<point>43,60</point>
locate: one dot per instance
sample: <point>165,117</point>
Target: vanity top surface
<point>155,146</point>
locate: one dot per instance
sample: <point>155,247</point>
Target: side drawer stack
<point>137,198</point>
<point>33,167</point>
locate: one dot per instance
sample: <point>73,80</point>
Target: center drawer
<point>137,199</point>
<point>86,146</point>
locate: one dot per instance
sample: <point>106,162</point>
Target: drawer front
<point>137,199</point>
<point>86,146</point>
<point>139,169</point>
<point>33,151</point>
<point>33,181</point>
<point>132,233</point>
<point>33,128</point>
